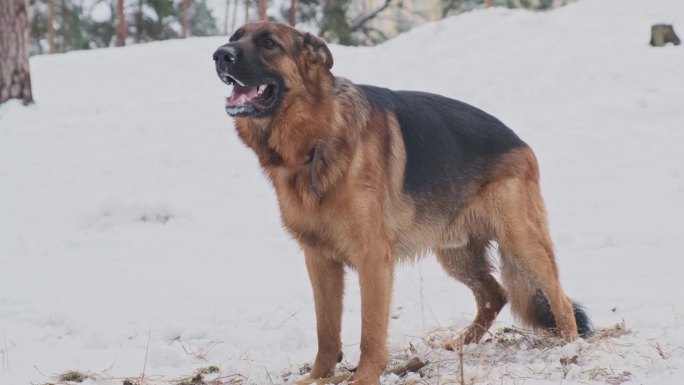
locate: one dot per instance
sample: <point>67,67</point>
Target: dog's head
<point>267,64</point>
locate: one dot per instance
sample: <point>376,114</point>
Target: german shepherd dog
<point>366,177</point>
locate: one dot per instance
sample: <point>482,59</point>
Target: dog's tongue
<point>241,95</point>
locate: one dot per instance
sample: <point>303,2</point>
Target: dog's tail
<point>542,317</point>
<point>532,307</point>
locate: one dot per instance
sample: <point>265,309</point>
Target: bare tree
<point>51,26</point>
<point>121,28</point>
<point>293,12</point>
<point>262,10</point>
<point>15,78</point>
<point>367,16</point>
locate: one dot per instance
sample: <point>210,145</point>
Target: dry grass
<point>509,355</point>
<point>616,331</point>
<point>72,376</point>
<point>514,355</point>
<point>209,375</point>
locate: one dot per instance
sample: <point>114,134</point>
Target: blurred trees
<point>335,26</point>
<point>64,25</point>
<point>457,6</point>
<point>202,21</point>
<point>368,22</point>
<point>343,22</point>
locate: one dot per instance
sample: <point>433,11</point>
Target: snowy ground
<point>138,234</point>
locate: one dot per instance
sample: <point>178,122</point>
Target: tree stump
<point>662,34</point>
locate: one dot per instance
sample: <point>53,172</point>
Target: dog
<point>366,177</point>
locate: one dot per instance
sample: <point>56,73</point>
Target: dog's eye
<point>267,43</point>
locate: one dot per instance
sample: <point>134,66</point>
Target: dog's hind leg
<point>470,265</point>
<point>528,269</point>
<point>530,275</point>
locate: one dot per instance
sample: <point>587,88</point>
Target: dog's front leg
<point>376,271</point>
<point>327,281</point>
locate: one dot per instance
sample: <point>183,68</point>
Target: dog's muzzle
<point>250,96</point>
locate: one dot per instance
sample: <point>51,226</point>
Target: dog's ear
<point>315,50</point>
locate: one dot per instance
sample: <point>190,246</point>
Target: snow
<point>137,233</point>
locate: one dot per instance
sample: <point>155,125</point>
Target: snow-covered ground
<point>137,234</point>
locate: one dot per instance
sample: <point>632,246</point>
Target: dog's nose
<point>227,54</point>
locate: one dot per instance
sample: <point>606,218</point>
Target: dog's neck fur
<point>310,119</point>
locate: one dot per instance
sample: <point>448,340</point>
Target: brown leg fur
<point>469,265</point>
<point>376,271</point>
<point>327,281</point>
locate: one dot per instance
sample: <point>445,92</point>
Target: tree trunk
<point>262,10</point>
<point>662,34</point>
<point>185,23</point>
<point>121,29</point>
<point>63,25</point>
<point>293,12</point>
<point>488,3</point>
<point>15,79</point>
<point>232,23</point>
<point>139,22</point>
<point>51,26</point>
<point>225,18</point>
<point>247,4</point>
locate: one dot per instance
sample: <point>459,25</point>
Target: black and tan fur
<point>366,177</point>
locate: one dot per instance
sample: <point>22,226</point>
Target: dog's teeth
<point>261,89</point>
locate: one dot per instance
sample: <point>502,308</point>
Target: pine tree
<point>335,26</point>
<point>202,21</point>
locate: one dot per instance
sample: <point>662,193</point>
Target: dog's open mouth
<point>247,99</point>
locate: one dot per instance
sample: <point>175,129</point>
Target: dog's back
<point>449,144</point>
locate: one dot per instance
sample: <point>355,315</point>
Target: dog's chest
<point>320,224</point>
<point>316,230</point>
